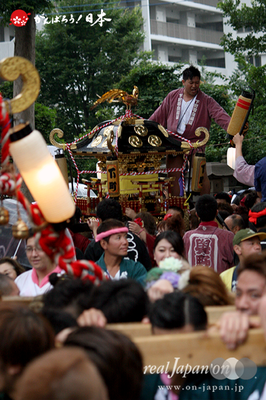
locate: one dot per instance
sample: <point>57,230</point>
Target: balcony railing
<point>212,3</point>
<point>175,30</point>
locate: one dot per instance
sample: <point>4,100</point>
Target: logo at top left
<point>19,18</point>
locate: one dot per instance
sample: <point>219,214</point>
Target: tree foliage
<point>77,61</point>
<point>248,77</point>
<point>217,147</point>
<point>252,19</point>
<point>8,6</point>
<point>45,120</point>
<point>154,82</point>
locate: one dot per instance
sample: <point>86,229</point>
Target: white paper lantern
<point>41,174</point>
<point>231,157</point>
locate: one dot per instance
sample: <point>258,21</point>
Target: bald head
<point>235,222</point>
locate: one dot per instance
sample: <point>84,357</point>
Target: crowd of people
<point>163,273</point>
<point>159,273</point>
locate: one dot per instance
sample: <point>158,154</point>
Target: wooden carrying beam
<point>197,349</point>
<point>193,349</point>
<point>34,303</point>
<point>136,329</point>
<point>17,299</point>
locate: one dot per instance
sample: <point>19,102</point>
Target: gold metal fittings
<point>135,141</point>
<point>10,69</point>
<point>141,130</point>
<point>154,141</point>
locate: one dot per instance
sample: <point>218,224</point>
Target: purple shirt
<point>244,172</point>
<point>211,246</point>
<point>205,108</point>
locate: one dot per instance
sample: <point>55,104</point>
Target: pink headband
<point>109,233</point>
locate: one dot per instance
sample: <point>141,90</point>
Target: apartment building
<point>185,31</point>
<point>188,31</point>
<point>7,36</point>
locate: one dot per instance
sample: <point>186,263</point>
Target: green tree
<point>29,6</point>
<point>78,60</point>
<point>24,41</point>
<point>154,82</point>
<point>45,120</point>
<point>217,145</point>
<point>252,19</point>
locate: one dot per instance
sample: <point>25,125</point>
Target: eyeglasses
<point>30,249</point>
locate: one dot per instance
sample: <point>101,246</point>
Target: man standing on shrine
<point>183,111</point>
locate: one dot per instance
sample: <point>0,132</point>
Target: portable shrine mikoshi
<point>131,151</point>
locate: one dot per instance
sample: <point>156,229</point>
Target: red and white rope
<point>57,245</point>
<point>5,125</point>
<point>128,114</point>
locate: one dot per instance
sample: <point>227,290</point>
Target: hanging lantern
<point>112,177</point>
<point>199,165</point>
<point>62,164</point>
<point>231,157</point>
<point>41,174</point>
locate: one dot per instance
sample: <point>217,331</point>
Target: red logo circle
<point>19,18</point>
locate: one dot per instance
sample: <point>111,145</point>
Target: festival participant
<point>245,242</point>
<point>144,226</point>
<point>8,286</point>
<point>206,285</point>
<point>65,374</point>
<point>175,210</point>
<point>183,111</point>
<point>169,244</point>
<point>250,289</point>
<point>137,251</point>
<point>36,281</point>
<point>116,357</point>
<point>68,295</point>
<point>224,210</point>
<point>112,235</point>
<point>243,172</point>
<point>208,244</point>
<point>80,241</point>
<point>172,222</point>
<point>257,218</point>
<point>234,222</point>
<point>222,198</point>
<point>9,266</point>
<point>169,257</point>
<point>120,301</point>
<point>177,313</point>
<point>143,220</point>
<point>251,283</point>
<point>194,220</point>
<point>24,336</point>
<point>251,175</point>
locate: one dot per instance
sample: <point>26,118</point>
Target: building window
<point>174,59</point>
<point>214,62</point>
<point>254,60</point>
<point>244,29</point>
